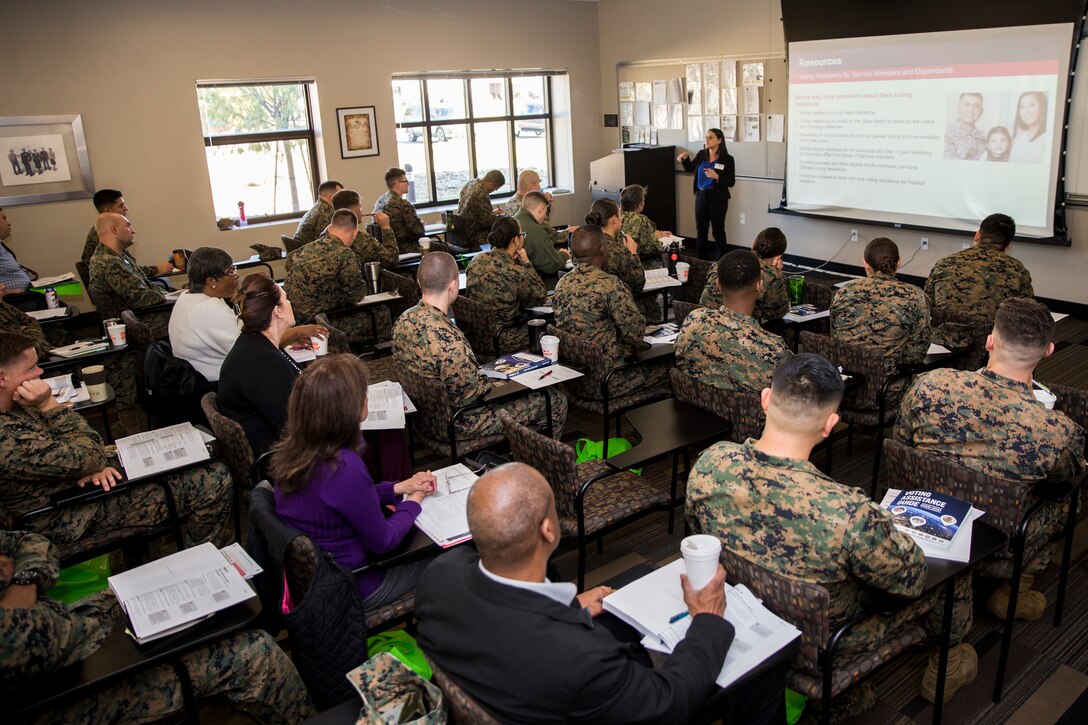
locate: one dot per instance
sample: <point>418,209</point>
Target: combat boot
<point>1030,604</point>
<point>962,669</point>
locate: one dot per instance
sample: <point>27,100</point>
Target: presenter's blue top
<point>704,181</point>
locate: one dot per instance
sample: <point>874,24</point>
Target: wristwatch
<point>27,577</point>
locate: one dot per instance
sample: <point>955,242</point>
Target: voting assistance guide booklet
<point>940,524</point>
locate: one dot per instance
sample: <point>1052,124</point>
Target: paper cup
<point>95,378</point>
<point>549,347</point>
<point>320,346</point>
<point>682,269</point>
<point>117,335</point>
<point>701,554</point>
<point>425,243</point>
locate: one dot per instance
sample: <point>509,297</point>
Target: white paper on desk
<point>48,314</point>
<point>241,560</point>
<point>935,349</point>
<point>537,379</point>
<point>53,281</point>
<point>411,255</point>
<point>301,355</point>
<point>385,403</point>
<point>161,450</point>
<point>77,349</point>
<point>177,590</point>
<point>649,603</point>
<point>444,517</point>
<point>1058,316</point>
<point>173,296</point>
<point>380,297</point>
<point>542,310</point>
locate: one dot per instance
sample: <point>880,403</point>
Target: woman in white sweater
<point>203,324</point>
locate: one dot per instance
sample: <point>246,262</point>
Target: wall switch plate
<point>853,235</point>
<point>741,218</point>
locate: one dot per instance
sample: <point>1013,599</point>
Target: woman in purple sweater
<point>323,487</point>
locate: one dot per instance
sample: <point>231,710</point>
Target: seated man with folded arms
<point>726,347</point>
<point>313,223</point>
<point>366,247</point>
<point>39,635</point>
<point>427,343</point>
<point>882,312</point>
<point>46,448</point>
<point>403,219</point>
<point>990,421</point>
<point>768,504</point>
<point>541,250</point>
<point>112,201</point>
<point>528,650</point>
<point>474,204</point>
<point>325,275</point>
<point>598,307</point>
<point>774,299</point>
<point>118,281</point>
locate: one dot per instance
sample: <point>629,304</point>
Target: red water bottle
<point>242,214</point>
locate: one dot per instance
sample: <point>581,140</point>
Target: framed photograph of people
<point>358,132</point>
<point>44,159</point>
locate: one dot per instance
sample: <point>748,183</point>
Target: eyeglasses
<point>402,181</point>
<point>522,234</point>
<point>231,271</point>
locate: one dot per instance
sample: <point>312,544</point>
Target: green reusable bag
<point>80,581</point>
<point>795,706</point>
<point>588,450</point>
<point>403,646</point>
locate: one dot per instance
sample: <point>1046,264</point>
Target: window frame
<point>310,135</point>
<point>470,121</point>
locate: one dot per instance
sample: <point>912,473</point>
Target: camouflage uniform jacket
<point>976,281</point>
<point>884,313</point>
<point>643,231</point>
<point>773,300</point>
<point>728,349</point>
<point>427,342</point>
<point>595,305</point>
<point>989,423</point>
<point>403,219</point>
<point>504,284</point>
<point>964,144</point>
<point>12,319</point>
<point>91,244</point>
<point>323,275</point>
<point>624,265</point>
<point>315,222</point>
<point>539,246</point>
<point>513,205</point>
<point>474,204</point>
<point>117,279</point>
<point>369,249</point>
<point>786,516</point>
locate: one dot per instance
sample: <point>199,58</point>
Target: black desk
<point>90,406</point>
<point>56,362</point>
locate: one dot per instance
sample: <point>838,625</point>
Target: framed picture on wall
<point>358,132</point>
<point>44,159</point>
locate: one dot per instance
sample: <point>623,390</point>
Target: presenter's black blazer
<point>726,177</point>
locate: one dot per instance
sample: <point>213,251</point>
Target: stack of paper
<point>941,525</point>
<point>301,354</point>
<point>445,512</point>
<point>805,313</point>
<point>43,282</point>
<point>161,450</point>
<point>48,314</point>
<point>78,349</point>
<point>658,334</point>
<point>385,407</point>
<point>659,279</point>
<point>380,297</point>
<point>177,591</point>
<point>652,603</point>
<point>65,392</point>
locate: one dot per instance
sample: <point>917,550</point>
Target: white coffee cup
<point>701,554</point>
<point>682,269</point>
<point>549,347</point>
<point>425,243</point>
<point>94,377</point>
<point>320,346</point>
<point>117,335</point>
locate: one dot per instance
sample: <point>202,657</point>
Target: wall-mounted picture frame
<point>358,132</point>
<point>44,158</point>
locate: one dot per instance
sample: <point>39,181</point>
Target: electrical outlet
<point>741,218</point>
<point>925,243</point>
<point>853,235</point>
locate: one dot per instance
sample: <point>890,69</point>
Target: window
<point>452,128</point>
<point>261,150</point>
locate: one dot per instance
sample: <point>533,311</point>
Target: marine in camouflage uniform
<point>539,245</point>
<point>513,206</point>
<point>314,222</point>
<point>643,231</point>
<point>426,342</point>
<point>42,453</point>
<point>403,220</point>
<point>121,284</point>
<point>598,307</point>
<point>989,423</point>
<point>368,249</point>
<point>786,516</point>
<point>247,667</point>
<point>474,204</point>
<point>12,319</point>
<point>506,286</point>
<point>628,269</point>
<point>325,275</point>
<point>884,313</point>
<point>91,245</point>
<point>773,301</point>
<point>728,349</point>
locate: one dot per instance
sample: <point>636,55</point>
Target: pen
<point>545,375</point>
<point>677,617</point>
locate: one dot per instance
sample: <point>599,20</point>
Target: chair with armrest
<point>587,503</point>
<point>406,287</point>
<point>484,332</point>
<point>436,423</point>
<point>681,310</point>
<point>238,454</point>
<point>591,392</point>
<point>463,710</point>
<point>1010,507</point>
<point>817,671</point>
<point>743,410</point>
<point>172,387</point>
<point>290,244</point>
<point>698,273</point>
<point>84,272</point>
<point>338,341</point>
<point>957,329</point>
<point>1074,403</point>
<point>458,234</point>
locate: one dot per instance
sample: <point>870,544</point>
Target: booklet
<point>659,278</point>
<point>165,449</point>
<point>508,366</point>
<point>940,524</point>
<point>657,334</point>
<point>385,407</point>
<point>49,314</point>
<point>804,313</point>
<point>78,349</point>
<point>445,512</point>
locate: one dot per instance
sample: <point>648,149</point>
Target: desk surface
<point>53,362</point>
<point>667,426</point>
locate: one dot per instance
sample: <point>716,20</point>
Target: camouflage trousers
<point>159,322</point>
<point>202,494</point>
<point>247,668</point>
<point>928,611</point>
<point>530,411</point>
<point>121,375</point>
<point>637,379</point>
<point>371,324</point>
<point>650,307</point>
<point>1047,524</point>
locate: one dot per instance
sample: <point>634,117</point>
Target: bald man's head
<point>528,180</point>
<point>114,230</point>
<point>588,245</point>
<point>506,508</point>
<point>435,272</point>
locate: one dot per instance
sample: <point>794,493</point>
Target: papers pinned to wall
<point>695,129</point>
<point>729,101</point>
<point>694,75</point>
<point>627,91</point>
<point>660,92</point>
<point>729,74</point>
<point>752,74</point>
<point>751,99</point>
<point>729,128</point>
<point>776,125</point>
<point>751,129</point>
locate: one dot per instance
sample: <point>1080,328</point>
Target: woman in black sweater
<point>715,172</point>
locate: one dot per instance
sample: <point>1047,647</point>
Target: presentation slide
<point>931,129</point>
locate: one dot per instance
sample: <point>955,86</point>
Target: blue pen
<point>677,617</point>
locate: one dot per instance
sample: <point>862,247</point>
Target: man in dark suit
<point>529,651</point>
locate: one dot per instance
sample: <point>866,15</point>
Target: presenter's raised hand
<point>710,599</point>
<point>682,157</point>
